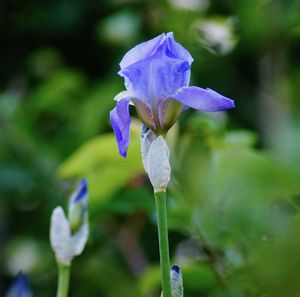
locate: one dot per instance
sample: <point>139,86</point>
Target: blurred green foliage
<point>234,196</point>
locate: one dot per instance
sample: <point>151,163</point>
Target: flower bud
<point>68,237</point>
<point>20,287</point>
<point>155,155</point>
<point>78,208</point>
<point>176,282</point>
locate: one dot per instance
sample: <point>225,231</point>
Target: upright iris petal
<point>157,75</point>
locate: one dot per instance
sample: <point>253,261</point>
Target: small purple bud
<point>78,206</point>
<point>20,288</point>
<point>176,268</point>
<point>81,190</point>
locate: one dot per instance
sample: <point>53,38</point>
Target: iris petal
<point>177,49</point>
<point>203,99</point>
<point>120,121</point>
<point>168,111</point>
<point>158,76</point>
<point>142,51</point>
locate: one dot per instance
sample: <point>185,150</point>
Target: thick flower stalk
<point>68,236</point>
<point>157,75</point>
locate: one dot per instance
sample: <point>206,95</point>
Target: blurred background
<point>234,197</point>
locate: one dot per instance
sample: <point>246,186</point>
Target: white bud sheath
<point>176,282</point>
<point>64,244</point>
<point>147,137</point>
<point>155,155</point>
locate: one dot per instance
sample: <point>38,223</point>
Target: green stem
<point>63,280</point>
<point>161,209</point>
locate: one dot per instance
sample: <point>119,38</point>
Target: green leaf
<point>99,161</point>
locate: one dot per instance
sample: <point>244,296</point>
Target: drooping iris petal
<point>142,51</point>
<point>120,121</point>
<point>158,76</point>
<point>203,99</point>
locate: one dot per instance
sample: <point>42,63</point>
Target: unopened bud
<point>68,237</point>
<point>176,282</point>
<point>78,208</point>
<point>20,287</point>
<point>155,155</point>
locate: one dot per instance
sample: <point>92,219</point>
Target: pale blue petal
<point>157,77</point>
<point>177,49</point>
<point>203,99</point>
<point>120,121</point>
<point>142,51</point>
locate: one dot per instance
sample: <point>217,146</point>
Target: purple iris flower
<point>157,75</point>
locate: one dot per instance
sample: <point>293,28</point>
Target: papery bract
<point>157,75</point>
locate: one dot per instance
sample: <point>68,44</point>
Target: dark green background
<point>234,194</point>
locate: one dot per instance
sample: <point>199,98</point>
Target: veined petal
<point>158,76</point>
<point>120,121</point>
<point>142,51</point>
<point>203,99</point>
<point>145,113</point>
<point>168,112</point>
